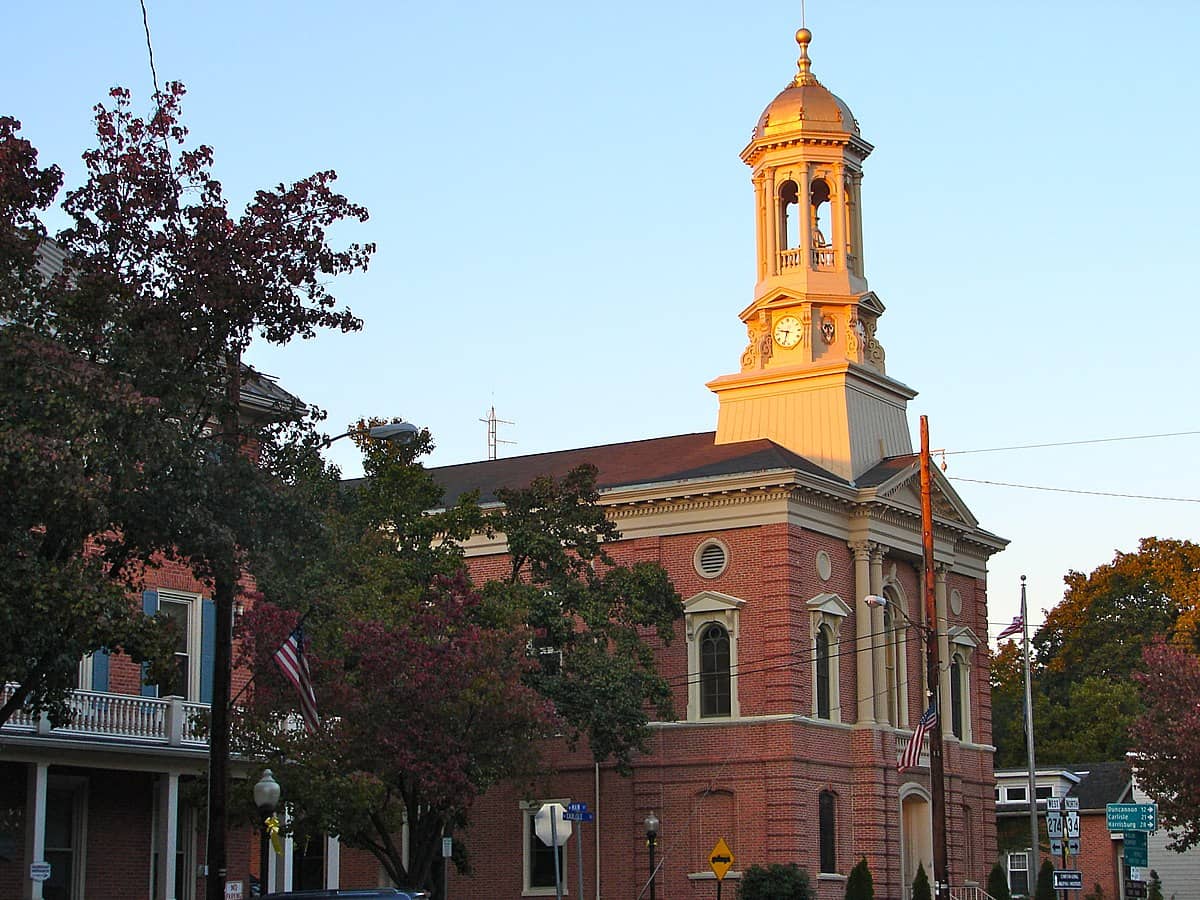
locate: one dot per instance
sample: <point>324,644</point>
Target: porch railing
<point>170,721</point>
<point>970,892</point>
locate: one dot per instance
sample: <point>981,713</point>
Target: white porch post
<point>167,839</point>
<point>333,862</point>
<point>35,826</point>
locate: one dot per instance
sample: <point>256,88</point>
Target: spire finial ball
<point>803,36</point>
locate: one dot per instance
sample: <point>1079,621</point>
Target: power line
<point>1058,490</point>
<point>1132,437</point>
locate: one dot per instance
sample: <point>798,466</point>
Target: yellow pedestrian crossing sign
<point>721,859</point>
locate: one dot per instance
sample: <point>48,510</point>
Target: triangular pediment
<point>830,604</point>
<point>711,601</point>
<point>871,303</point>
<point>963,636</point>
<point>904,488</point>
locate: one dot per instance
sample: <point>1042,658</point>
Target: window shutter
<point>149,607</point>
<point>100,670</point>
<point>208,648</point>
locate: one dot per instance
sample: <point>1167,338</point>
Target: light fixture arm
<point>395,432</point>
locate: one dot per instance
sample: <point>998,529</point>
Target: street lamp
<point>652,824</point>
<point>266,798</point>
<point>394,432</point>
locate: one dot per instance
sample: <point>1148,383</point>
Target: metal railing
<point>970,892</point>
<point>170,721</point>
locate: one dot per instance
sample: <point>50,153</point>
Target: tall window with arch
<point>824,680</point>
<point>958,695</point>
<point>714,671</point>
<point>827,829</point>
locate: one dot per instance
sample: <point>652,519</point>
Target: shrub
<point>1045,881</point>
<point>860,885</point>
<point>997,883</point>
<point>920,885</point>
<point>775,882</point>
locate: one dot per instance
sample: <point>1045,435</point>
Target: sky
<point>565,229</point>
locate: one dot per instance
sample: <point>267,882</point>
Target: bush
<point>775,882</point>
<point>1045,881</point>
<point>920,885</point>
<point>997,883</point>
<point>1155,886</point>
<point>1096,893</point>
<point>860,885</point>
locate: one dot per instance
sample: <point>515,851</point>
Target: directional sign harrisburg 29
<point>1132,816</point>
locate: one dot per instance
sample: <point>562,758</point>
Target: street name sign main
<point>1131,816</point>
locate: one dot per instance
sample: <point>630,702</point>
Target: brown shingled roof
<point>675,458</point>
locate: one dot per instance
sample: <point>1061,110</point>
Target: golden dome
<point>806,105</point>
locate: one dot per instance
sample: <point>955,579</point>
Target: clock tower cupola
<point>813,377</point>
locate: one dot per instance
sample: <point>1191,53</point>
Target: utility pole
<point>941,870</point>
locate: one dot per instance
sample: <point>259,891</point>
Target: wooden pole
<point>941,869</point>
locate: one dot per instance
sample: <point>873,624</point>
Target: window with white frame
<point>827,612</point>
<point>194,622</point>
<point>539,857</point>
<point>1018,874</point>
<point>962,646</point>
<point>895,658</point>
<point>711,621</point>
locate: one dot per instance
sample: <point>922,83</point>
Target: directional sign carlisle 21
<point>1132,816</point>
<point>720,859</point>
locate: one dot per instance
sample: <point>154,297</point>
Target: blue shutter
<point>208,648</point>
<point>100,671</point>
<point>149,607</point>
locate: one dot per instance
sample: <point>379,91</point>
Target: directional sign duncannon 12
<point>1132,816</point>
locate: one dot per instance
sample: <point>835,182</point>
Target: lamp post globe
<point>652,824</point>
<point>266,798</point>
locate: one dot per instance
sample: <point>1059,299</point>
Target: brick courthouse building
<point>794,697</point>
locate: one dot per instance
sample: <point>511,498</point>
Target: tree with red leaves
<point>1166,738</point>
<point>122,434</point>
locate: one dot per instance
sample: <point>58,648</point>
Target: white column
<point>879,644</point>
<point>35,825</point>
<point>837,218</point>
<point>943,639</point>
<point>333,862</point>
<point>804,216</point>
<point>863,646</point>
<point>761,214</point>
<point>285,860</point>
<point>167,839</point>
<point>772,225</point>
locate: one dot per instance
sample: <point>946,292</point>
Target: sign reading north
<point>721,859</point>
<point>1131,816</point>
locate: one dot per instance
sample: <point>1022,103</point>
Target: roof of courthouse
<point>677,458</point>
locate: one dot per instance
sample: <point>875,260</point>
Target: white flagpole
<point>1033,813</point>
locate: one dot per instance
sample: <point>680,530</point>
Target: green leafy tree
<point>1045,882</point>
<point>860,885</point>
<point>997,883</point>
<point>775,882</point>
<point>920,885</point>
<point>588,614</point>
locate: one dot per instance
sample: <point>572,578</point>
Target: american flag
<point>1018,625</point>
<point>290,659</point>
<point>912,753</point>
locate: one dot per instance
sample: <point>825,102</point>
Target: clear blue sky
<point>565,229</point>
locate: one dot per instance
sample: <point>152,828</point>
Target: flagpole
<point>1033,813</point>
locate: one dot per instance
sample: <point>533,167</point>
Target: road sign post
<point>720,861</point>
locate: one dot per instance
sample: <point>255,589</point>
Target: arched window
<point>827,827</point>
<point>823,681</point>
<point>789,219</point>
<point>958,693</point>
<point>714,671</point>
<point>891,663</point>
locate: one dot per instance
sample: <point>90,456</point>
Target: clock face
<point>787,331</point>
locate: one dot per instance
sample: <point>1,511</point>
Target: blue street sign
<point>572,816</point>
<point>577,807</point>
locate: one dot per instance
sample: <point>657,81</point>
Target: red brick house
<point>794,697</point>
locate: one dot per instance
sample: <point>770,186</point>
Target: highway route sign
<point>1054,825</point>
<point>1056,847</point>
<point>1131,816</point>
<point>1072,823</point>
<point>721,859</point>
<point>1073,846</point>
<point>1136,848</point>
